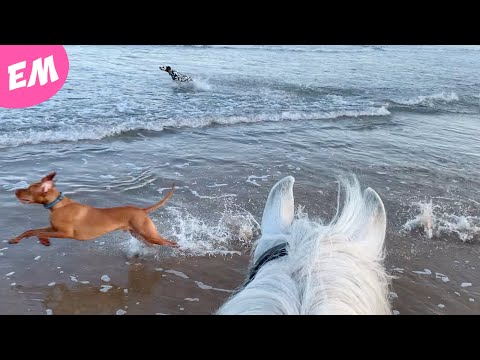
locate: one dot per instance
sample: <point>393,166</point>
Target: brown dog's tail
<point>157,205</point>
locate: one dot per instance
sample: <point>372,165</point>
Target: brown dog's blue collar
<point>54,202</point>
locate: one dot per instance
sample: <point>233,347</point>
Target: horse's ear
<point>363,218</point>
<point>376,225</point>
<point>279,208</point>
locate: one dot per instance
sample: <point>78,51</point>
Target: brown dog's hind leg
<point>158,240</point>
<point>145,228</point>
<point>137,236</point>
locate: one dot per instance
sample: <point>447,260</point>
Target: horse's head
<point>300,267</point>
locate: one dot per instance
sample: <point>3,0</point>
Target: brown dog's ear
<point>46,185</point>
<point>49,177</point>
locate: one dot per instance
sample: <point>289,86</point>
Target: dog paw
<point>45,242</point>
<point>171,244</point>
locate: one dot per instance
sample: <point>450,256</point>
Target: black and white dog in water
<point>302,267</point>
<point>176,75</point>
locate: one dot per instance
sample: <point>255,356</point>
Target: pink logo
<point>31,74</point>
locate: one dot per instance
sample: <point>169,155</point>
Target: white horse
<point>301,267</point>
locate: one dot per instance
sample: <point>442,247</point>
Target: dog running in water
<point>69,219</point>
<point>176,76</point>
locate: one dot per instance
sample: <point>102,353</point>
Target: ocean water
<point>404,119</point>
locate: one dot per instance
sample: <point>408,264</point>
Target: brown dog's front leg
<point>28,233</point>
<point>42,234</point>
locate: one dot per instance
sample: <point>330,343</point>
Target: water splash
<point>232,233</point>
<point>435,221</point>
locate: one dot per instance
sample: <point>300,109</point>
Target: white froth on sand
<point>254,182</point>
<point>161,190</point>
<point>442,276</point>
<point>105,288</point>
<point>194,192</point>
<point>177,273</point>
<point>191,299</point>
<point>208,287</point>
<point>216,185</point>
<point>424,272</point>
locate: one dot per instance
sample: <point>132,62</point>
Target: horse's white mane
<point>334,269</point>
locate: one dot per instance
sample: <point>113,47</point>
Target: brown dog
<point>69,219</point>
